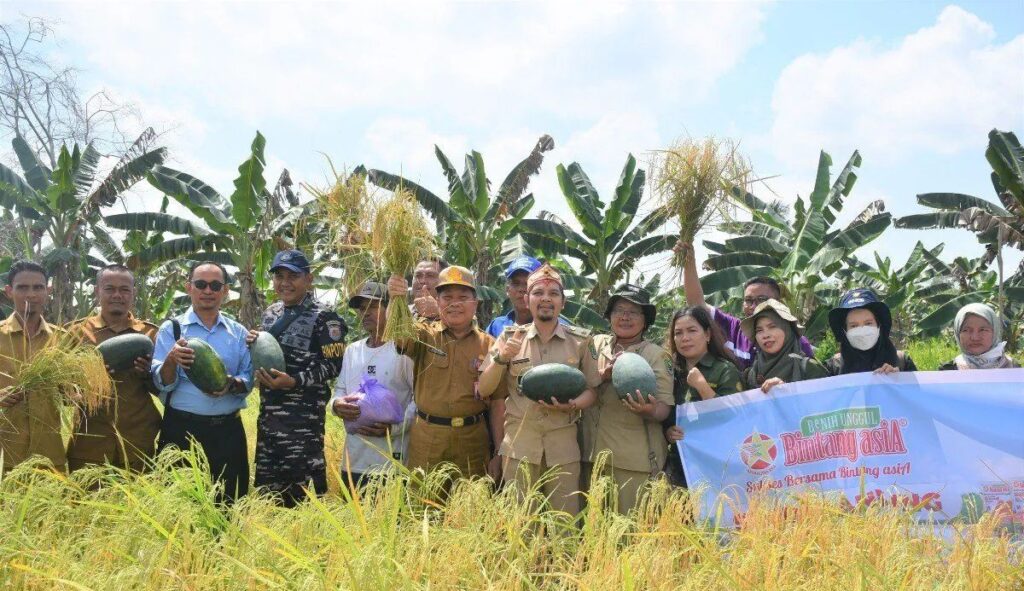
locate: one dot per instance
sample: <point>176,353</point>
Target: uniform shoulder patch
<point>335,330</point>
<point>578,331</point>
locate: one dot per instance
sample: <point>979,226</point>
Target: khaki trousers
<point>562,487</point>
<point>627,484</point>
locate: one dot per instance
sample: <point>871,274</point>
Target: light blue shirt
<point>227,338</point>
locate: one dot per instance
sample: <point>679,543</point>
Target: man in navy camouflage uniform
<point>290,429</point>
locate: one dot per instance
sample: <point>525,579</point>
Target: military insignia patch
<point>334,330</point>
<point>593,350</point>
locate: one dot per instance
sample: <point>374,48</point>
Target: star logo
<point>758,452</point>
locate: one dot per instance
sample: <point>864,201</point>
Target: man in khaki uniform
<point>124,432</point>
<point>630,429</point>
<point>450,423</point>
<point>541,436</point>
<point>29,421</point>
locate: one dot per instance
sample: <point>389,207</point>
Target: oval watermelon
<point>630,373</point>
<point>120,352</point>
<point>207,371</point>
<point>549,380</point>
<point>267,353</point>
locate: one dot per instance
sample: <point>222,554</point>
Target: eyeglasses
<point>626,313</point>
<point>755,301</point>
<point>202,284</point>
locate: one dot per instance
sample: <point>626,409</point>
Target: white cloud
<point>473,61</point>
<point>938,90</point>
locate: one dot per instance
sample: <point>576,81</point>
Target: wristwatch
<point>496,357</point>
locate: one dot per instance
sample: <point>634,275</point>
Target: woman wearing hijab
<point>779,359</point>
<point>861,325</point>
<point>977,331</point>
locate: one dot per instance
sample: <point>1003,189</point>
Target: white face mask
<point>863,338</point>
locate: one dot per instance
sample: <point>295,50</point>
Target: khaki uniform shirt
<point>130,420</point>
<point>31,426</point>
<point>534,434</point>
<point>447,370</point>
<point>637,444</point>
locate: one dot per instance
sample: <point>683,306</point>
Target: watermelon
<point>556,380</point>
<point>120,352</point>
<point>207,371</point>
<point>267,353</point>
<point>630,373</point>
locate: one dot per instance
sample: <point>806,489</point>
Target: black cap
<point>637,295</point>
<point>371,290</point>
<point>293,260</point>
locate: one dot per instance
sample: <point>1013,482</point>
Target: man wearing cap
<point>290,428</point>
<point>368,448</point>
<point>516,274</point>
<point>539,437</point>
<point>629,428</point>
<point>450,415</point>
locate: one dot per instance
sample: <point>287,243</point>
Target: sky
<point>915,86</point>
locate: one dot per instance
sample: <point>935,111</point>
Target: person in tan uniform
<point>450,423</point>
<point>540,436</point>
<point>29,422</point>
<point>124,432</point>
<point>631,428</point>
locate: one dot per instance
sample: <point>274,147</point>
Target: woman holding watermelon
<point>628,424</point>
<point>704,368</point>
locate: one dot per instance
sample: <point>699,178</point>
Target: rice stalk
<point>69,369</point>
<point>692,181</point>
<point>400,238</point>
<point>348,207</point>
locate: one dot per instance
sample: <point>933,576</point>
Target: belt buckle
<point>458,422</point>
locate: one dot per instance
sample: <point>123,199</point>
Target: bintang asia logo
<point>850,433</point>
<point>758,452</point>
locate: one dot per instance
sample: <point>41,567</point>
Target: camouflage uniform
<point>290,428</point>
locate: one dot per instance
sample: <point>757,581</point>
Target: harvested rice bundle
<point>692,181</point>
<point>347,208</point>
<point>74,370</point>
<point>400,238</point>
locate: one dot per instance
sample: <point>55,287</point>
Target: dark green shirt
<point>721,374</point>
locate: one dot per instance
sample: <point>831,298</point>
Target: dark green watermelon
<point>120,352</point>
<point>630,373</point>
<point>267,353</point>
<point>207,371</point>
<point>549,380</point>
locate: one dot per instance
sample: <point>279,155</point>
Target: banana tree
<point>804,254</point>
<point>60,209</point>
<point>994,225</point>
<point>975,282</point>
<point>240,227</point>
<point>474,224</point>
<point>609,243</point>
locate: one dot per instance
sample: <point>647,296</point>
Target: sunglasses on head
<point>202,284</point>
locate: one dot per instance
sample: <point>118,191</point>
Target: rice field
<point>104,529</point>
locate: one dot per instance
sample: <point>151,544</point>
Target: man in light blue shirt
<point>210,418</point>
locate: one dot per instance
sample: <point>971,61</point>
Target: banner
<point>950,443</point>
